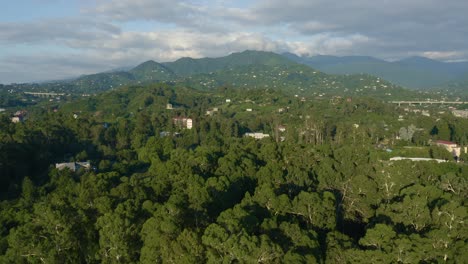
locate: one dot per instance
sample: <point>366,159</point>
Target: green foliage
<point>323,191</point>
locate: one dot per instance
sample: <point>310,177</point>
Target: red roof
<point>445,142</point>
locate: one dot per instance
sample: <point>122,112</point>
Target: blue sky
<point>55,39</point>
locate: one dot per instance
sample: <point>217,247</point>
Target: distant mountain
<point>414,72</point>
<point>255,70</point>
<point>151,71</point>
<point>189,66</point>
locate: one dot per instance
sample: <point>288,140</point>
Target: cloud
<point>106,33</point>
<point>394,25</point>
<point>443,55</point>
<point>55,29</point>
<point>185,14</point>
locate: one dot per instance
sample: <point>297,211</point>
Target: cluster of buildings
<point>460,113</point>
<point>183,122</point>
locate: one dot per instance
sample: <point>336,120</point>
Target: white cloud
<point>96,41</point>
<point>55,30</point>
<point>443,55</point>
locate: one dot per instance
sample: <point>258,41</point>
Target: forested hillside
<point>301,80</point>
<point>320,188</point>
<point>253,69</point>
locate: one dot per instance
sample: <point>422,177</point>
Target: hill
<point>102,81</point>
<point>458,87</point>
<point>189,66</point>
<point>151,71</point>
<point>300,80</point>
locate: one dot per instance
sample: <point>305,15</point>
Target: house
<point>73,166</point>
<point>256,135</point>
<point>228,100</point>
<point>168,134</point>
<point>460,113</point>
<point>281,128</point>
<point>183,122</point>
<point>211,111</point>
<point>451,147</point>
<point>16,119</point>
<point>169,107</point>
<point>19,116</point>
<point>189,123</point>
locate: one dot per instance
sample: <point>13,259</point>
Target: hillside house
<point>73,166</point>
<point>19,116</point>
<point>183,122</point>
<point>16,119</point>
<point>451,147</point>
<point>168,134</point>
<point>460,113</point>
<point>210,112</point>
<point>256,135</point>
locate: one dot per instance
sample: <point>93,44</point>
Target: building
<point>73,166</point>
<point>169,107</point>
<point>460,113</point>
<point>168,134</point>
<point>451,147</point>
<point>16,119</point>
<point>189,123</point>
<point>183,122</point>
<point>256,135</point>
<point>210,112</point>
<point>19,116</point>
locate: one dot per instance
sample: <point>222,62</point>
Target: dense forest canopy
<point>319,189</point>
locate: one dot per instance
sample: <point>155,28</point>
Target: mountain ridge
<point>232,69</point>
<point>413,72</point>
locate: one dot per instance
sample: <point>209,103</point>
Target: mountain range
<point>412,73</point>
<point>301,76</point>
<point>246,70</point>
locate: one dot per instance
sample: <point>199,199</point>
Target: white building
<point>189,123</point>
<point>183,122</point>
<point>256,135</point>
<point>73,166</point>
<point>16,119</point>
<point>460,113</point>
<point>451,147</point>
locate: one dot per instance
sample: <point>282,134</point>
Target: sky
<point>56,39</point>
